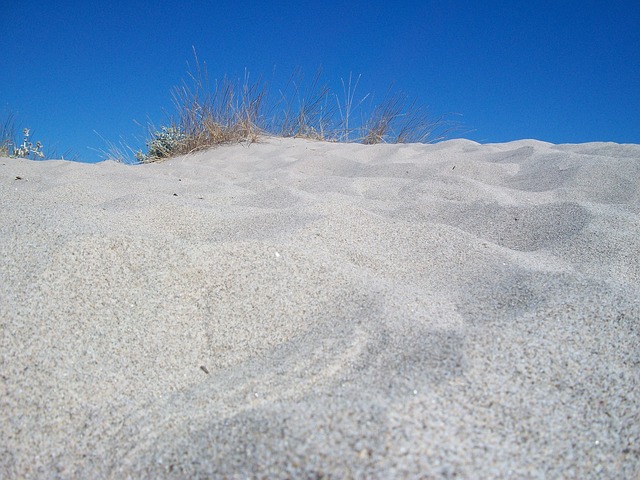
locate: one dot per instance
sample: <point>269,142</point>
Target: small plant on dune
<point>8,147</point>
<point>166,143</point>
<point>27,148</point>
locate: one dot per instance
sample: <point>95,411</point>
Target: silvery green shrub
<point>165,143</point>
<point>23,151</point>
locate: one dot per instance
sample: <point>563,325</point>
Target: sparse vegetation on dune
<point>241,110</point>
<point>235,110</point>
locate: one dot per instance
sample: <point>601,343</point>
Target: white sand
<point>362,311</point>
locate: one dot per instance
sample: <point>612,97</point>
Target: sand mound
<point>302,309</point>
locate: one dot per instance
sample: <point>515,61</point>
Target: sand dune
<point>303,309</point>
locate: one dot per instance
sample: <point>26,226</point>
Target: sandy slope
<point>362,311</point>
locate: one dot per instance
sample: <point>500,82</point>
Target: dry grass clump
<point>399,120</point>
<point>303,112</point>
<point>230,112</point>
<point>240,110</point>
<point>7,134</point>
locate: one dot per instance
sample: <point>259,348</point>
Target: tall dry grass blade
<point>347,109</point>
<point>7,134</point>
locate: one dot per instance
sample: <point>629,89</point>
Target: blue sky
<point>558,71</point>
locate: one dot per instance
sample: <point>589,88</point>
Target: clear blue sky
<point>559,71</point>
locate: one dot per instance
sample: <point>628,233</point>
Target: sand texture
<point>297,309</point>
